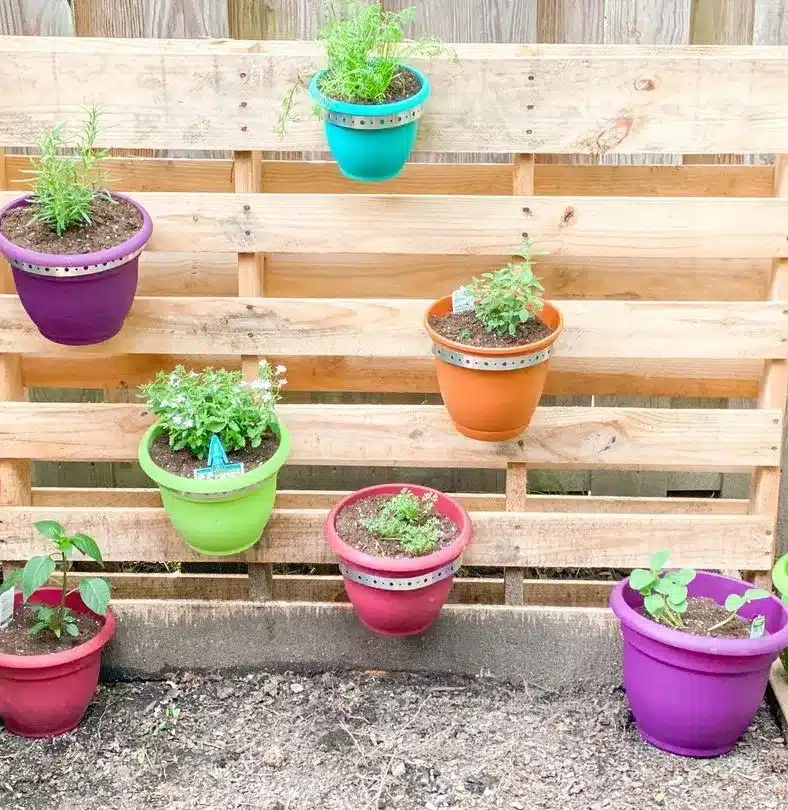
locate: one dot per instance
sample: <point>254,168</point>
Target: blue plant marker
<point>218,464</point>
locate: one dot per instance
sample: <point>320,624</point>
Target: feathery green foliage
<point>65,186</point>
<point>409,520</point>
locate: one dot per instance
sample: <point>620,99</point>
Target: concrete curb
<point>552,648</point>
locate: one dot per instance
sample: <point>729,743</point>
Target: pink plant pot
<point>402,596</point>
<point>47,695</point>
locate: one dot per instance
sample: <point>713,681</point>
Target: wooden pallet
<point>672,281</point>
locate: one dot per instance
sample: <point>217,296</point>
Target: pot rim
<point>179,483</point>
<point>403,565</point>
<point>487,351</point>
<point>725,647</point>
<point>391,108</point>
<point>95,644</point>
<point>136,242</point>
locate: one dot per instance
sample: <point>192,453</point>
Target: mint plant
<point>664,595</point>
<point>409,520</point>
<point>735,602</point>
<point>38,570</point>
<point>505,298</point>
<point>193,406</point>
<point>66,185</point>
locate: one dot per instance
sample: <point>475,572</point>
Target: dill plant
<point>66,185</point>
<point>408,520</point>
<point>505,298</point>
<point>193,406</point>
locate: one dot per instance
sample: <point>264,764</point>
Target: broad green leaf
<point>658,560</point>
<point>677,594</point>
<point>72,630</point>
<point>734,602</point>
<point>95,595</point>
<point>11,581</point>
<point>88,546</point>
<point>44,613</point>
<point>37,628</point>
<point>685,576</point>
<point>751,594</point>
<point>640,579</point>
<point>654,604</point>
<point>680,608</point>
<point>35,574</point>
<point>50,528</point>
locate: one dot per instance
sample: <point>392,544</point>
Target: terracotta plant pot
<point>47,695</point>
<point>491,394</point>
<point>77,299</point>
<point>402,596</point>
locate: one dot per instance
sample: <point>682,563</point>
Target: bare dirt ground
<point>355,741</point>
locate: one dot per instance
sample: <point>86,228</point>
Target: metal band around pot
<point>399,583</point>
<point>71,272</point>
<point>373,121</point>
<point>214,496</point>
<point>511,363</point>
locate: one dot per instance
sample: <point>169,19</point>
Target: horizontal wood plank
<point>222,94</point>
<point>477,502</point>
<point>422,435</point>
<point>391,328</point>
<point>633,227</point>
<point>300,176</point>
<point>500,538</point>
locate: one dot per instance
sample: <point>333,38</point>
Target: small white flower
<point>263,364</point>
<point>280,370</point>
<point>175,380</point>
<point>282,382</point>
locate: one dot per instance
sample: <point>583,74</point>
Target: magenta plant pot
<point>695,695</point>
<point>422,584</point>
<point>78,299</point>
<point>47,695</point>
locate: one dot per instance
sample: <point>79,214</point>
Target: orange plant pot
<point>491,394</point>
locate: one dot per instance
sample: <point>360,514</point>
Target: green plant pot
<point>222,517</point>
<point>780,580</point>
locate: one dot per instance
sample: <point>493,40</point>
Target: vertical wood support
<point>773,392</point>
<point>247,178</point>
<point>516,474</point>
<point>15,487</point>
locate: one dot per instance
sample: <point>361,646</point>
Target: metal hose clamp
<point>510,363</point>
<point>71,272</point>
<point>400,583</point>
<point>372,121</point>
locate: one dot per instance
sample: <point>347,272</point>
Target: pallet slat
<point>500,538</point>
<point>219,94</point>
<point>422,435</point>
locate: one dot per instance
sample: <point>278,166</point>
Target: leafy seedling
<point>409,520</point>
<point>736,601</point>
<point>464,334</point>
<point>59,619</point>
<point>664,595</point>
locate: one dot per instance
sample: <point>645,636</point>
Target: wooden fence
<point>286,259</point>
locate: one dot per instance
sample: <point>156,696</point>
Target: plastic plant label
<point>461,301</point>
<point>758,627</point>
<point>6,607</point>
<point>218,464</point>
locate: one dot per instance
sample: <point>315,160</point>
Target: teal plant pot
<point>371,142</point>
<point>221,517</point>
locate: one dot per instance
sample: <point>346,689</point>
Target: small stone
<point>274,757</point>
<point>296,687</point>
<point>270,687</point>
<point>223,692</point>
<point>398,769</point>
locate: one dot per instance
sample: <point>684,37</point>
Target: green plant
<point>464,334</point>
<point>505,298</point>
<point>409,520</point>
<point>65,186</point>
<point>193,406</point>
<point>664,595</point>
<point>39,569</point>
<point>736,601</point>
<point>365,46</point>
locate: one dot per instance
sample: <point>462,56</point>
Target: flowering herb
<point>409,520</point>
<point>194,406</point>
<point>39,570</point>
<point>505,298</point>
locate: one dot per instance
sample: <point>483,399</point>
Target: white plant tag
<point>461,301</point>
<point>6,607</point>
<point>757,627</point>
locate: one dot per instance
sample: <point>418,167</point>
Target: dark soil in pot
<point>111,224</point>
<point>703,613</point>
<point>465,327</point>
<point>404,84</point>
<point>16,639</point>
<point>350,528</point>
<point>183,463</point>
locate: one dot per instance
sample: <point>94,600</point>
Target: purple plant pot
<point>81,298</point>
<point>695,695</point>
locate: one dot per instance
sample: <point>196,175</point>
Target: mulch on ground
<point>355,741</point>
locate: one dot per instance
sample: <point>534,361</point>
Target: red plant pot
<point>402,596</point>
<point>47,695</point>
